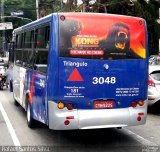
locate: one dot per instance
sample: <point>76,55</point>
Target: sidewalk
<point>5,137</point>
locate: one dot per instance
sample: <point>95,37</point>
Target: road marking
<point>10,128</point>
<point>140,139</point>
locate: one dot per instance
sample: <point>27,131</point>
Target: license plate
<point>103,104</point>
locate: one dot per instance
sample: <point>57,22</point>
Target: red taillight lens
<point>70,106</point>
<point>150,81</point>
<point>67,122</point>
<point>133,104</point>
<point>139,118</point>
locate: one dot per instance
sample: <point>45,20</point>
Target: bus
<point>82,71</point>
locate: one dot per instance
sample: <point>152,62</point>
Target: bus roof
<point>49,17</point>
<point>34,23</point>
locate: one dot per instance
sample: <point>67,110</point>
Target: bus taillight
<point>60,105</point>
<point>150,82</point>
<point>134,104</point>
<point>141,102</point>
<point>70,106</point>
<point>139,118</point>
<point>67,122</point>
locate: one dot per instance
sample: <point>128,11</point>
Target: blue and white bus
<point>82,70</point>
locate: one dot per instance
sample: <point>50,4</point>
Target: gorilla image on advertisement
<point>68,29</point>
<point>117,43</point>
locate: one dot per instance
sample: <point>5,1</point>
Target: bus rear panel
<point>101,72</point>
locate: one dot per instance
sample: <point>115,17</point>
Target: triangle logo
<point>75,76</point>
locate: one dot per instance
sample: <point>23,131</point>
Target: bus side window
<point>42,37</point>
<point>28,49</point>
<point>42,48</point>
<point>18,49</point>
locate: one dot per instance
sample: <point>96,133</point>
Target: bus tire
<point>16,102</point>
<point>30,120</point>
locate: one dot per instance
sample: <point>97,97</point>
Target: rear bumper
<point>91,119</point>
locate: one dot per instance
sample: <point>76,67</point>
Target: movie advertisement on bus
<point>102,38</point>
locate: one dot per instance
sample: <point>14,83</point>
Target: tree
<point>17,22</point>
<point>28,8</point>
<point>149,11</point>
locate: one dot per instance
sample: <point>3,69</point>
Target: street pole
<point>2,20</point>
<point>37,8</point>
<point>2,10</point>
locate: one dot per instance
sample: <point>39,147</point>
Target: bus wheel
<point>30,120</point>
<point>16,102</point>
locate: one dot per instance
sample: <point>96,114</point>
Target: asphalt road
<point>15,132</point>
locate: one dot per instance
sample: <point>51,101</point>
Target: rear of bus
<point>102,72</point>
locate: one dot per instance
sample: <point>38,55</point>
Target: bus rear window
<point>99,37</point>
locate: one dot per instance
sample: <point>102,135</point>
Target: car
<point>154,80</point>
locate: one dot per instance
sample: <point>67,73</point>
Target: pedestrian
<point>9,75</point>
